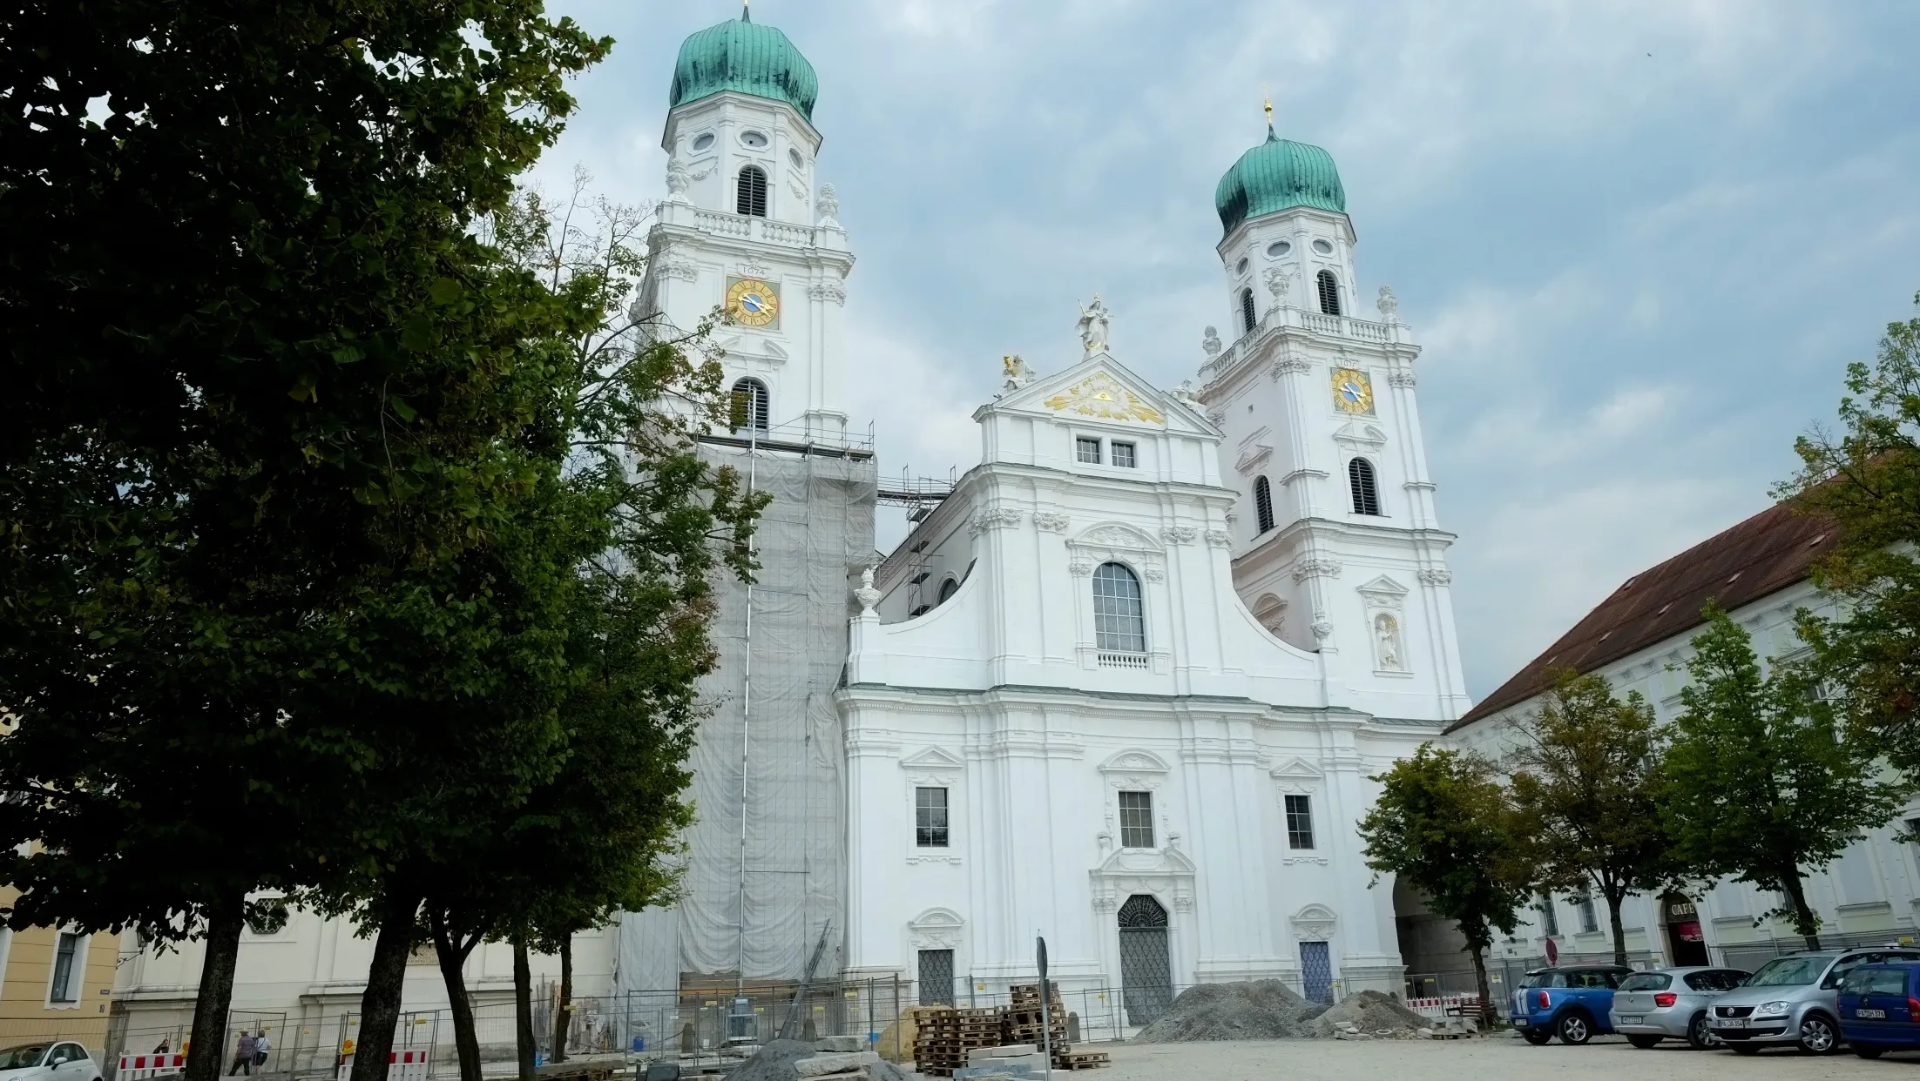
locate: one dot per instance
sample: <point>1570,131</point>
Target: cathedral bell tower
<point>1336,547</point>
<point>743,228</point>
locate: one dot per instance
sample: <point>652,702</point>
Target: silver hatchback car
<point>1791,1000</point>
<point>1670,1004</point>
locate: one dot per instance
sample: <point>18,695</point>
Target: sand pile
<point>775,1062</point>
<point>1261,1010</point>
<point>1370,1013</point>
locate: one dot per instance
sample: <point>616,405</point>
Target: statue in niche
<point>1210,344</point>
<point>1386,637</point>
<point>1388,304</point>
<point>1094,324</point>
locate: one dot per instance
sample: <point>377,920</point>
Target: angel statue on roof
<point>1094,322</point>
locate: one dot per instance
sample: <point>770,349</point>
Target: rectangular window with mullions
<point>930,817</point>
<point>1136,820</point>
<point>66,984</point>
<point>1299,822</point>
<point>1123,455</point>
<point>1087,450</point>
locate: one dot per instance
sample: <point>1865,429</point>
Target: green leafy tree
<point>269,442</point>
<point>1762,785</point>
<point>1586,776</point>
<point>1866,481</point>
<point>1443,825</point>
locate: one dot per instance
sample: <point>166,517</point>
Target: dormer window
<point>751,192</point>
<point>1329,292</point>
<point>1248,318</point>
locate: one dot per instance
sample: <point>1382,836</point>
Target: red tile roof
<point>1765,553</point>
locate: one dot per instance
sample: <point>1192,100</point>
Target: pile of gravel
<point>1260,1010</point>
<point>774,1062</point>
<point>1373,1014</point>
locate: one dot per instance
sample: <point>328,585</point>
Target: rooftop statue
<point>1094,322</point>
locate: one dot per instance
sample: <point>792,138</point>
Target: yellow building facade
<point>55,984</point>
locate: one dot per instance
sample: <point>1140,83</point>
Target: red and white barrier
<point>401,1066</point>
<point>139,1067</point>
<point>1445,1006</point>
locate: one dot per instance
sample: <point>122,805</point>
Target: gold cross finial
<point>1266,100</point>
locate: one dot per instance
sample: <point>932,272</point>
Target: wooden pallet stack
<point>945,1036</point>
<point>1021,1023</point>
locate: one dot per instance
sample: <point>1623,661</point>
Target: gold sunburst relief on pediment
<point>1101,395</point>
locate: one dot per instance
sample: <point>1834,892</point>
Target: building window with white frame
<point>1589,920</point>
<point>1136,820</point>
<point>1086,451</point>
<point>1299,822</point>
<point>65,985</point>
<point>930,817</point>
<point>1123,455</point>
<point>1119,619</point>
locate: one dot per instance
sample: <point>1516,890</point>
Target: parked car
<point>1880,1008</point>
<point>1791,1000</point>
<point>47,1060</point>
<point>1571,1003</point>
<point>1670,1004</point>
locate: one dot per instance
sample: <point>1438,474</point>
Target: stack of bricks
<point>946,1036</point>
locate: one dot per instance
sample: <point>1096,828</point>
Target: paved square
<point>1496,1058</point>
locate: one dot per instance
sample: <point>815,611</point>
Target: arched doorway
<point>1686,942</point>
<point>1146,971</point>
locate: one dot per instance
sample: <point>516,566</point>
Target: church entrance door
<point>1146,971</point>
<point>1316,972</point>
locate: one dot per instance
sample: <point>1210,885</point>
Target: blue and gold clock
<point>1352,391</point>
<point>752,302</point>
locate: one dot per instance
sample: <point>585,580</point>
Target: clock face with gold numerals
<point>1352,391</point>
<point>752,302</point>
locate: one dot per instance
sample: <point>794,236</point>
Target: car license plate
<point>1519,1022</point>
<point>1730,1022</point>
<point>1878,1015</point>
<point>1632,1018</point>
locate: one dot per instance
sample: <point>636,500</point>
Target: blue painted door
<point>1316,972</point>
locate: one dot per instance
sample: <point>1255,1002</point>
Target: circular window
<point>754,139</point>
<point>794,157</point>
<point>703,141</point>
<point>1278,248</point>
<point>1240,267</point>
<point>1323,247</point>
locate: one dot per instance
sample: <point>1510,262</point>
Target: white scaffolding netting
<point>771,745</point>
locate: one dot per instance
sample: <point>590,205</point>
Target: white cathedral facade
<point>1124,687</point>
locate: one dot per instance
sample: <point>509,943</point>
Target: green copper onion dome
<point>743,55</point>
<point>1276,175</point>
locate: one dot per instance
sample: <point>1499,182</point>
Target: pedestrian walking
<point>243,1056</point>
<point>260,1048</point>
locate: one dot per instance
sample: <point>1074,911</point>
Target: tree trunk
<point>563,1017</point>
<point>207,1047</point>
<point>453,959</point>
<point>1488,1013</point>
<point>1805,923</point>
<point>522,1008</point>
<point>386,979</point>
<point>1619,936</point>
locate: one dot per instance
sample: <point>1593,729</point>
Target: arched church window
<point>1366,490</point>
<point>1248,318</point>
<point>1329,292</point>
<point>1119,621</point>
<point>749,406</point>
<point>1262,504</point>
<point>947,589</point>
<point>751,191</point>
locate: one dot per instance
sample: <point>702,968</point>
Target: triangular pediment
<point>932,758</point>
<point>1145,863</point>
<point>1360,436</point>
<point>1116,535</point>
<point>1295,769</point>
<point>1384,586</point>
<point>1100,388</point>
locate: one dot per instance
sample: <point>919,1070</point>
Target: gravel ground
<point>1608,1058</point>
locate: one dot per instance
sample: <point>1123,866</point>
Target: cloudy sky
<point>1639,241</point>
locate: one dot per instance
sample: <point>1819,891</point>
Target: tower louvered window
<point>752,192</point>
<point>1262,503</point>
<point>1329,292</point>
<point>1248,318</point>
<point>1366,490</point>
<point>749,406</point>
